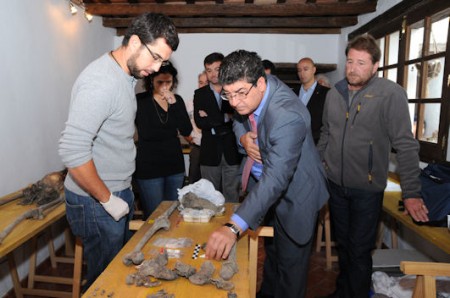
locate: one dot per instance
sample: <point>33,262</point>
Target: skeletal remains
<point>204,276</point>
<point>229,266</point>
<point>156,268</point>
<point>191,200</point>
<point>42,192</point>
<point>36,213</point>
<point>162,222</point>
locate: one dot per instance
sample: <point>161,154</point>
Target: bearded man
<point>97,143</point>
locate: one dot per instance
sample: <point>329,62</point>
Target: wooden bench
<point>426,274</point>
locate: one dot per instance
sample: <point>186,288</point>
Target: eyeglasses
<point>240,95</point>
<point>155,56</point>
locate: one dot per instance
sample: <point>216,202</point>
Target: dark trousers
<point>194,164</point>
<point>354,215</point>
<point>286,265</point>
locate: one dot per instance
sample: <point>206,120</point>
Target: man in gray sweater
<point>97,143</point>
<point>364,117</point>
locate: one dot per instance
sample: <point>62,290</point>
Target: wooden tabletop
<point>28,228</point>
<point>112,280</point>
<point>439,236</point>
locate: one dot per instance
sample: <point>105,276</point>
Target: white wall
<point>43,50</point>
<point>193,48</point>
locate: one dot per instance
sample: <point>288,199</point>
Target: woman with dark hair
<point>160,116</point>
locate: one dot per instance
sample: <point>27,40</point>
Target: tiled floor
<point>321,282</point>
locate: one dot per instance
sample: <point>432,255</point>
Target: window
<point>416,54</point>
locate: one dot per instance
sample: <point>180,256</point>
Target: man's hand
<point>116,207</point>
<point>416,208</point>
<point>248,141</point>
<point>220,243</point>
<point>202,113</point>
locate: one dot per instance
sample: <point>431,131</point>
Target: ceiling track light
<point>88,16</point>
<point>73,8</point>
<point>73,4</point>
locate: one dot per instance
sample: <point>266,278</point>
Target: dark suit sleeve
<point>286,133</point>
<point>199,105</point>
<point>204,100</point>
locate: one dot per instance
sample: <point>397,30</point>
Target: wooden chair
<point>426,273</point>
<point>74,255</point>
<point>324,225</point>
<point>253,254</point>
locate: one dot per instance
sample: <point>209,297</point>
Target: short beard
<point>134,70</point>
<point>359,84</point>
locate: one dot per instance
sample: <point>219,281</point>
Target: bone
<point>191,200</point>
<point>12,198</point>
<point>229,266</point>
<point>204,275</point>
<point>130,279</point>
<point>222,284</point>
<point>157,268</point>
<point>161,222</point>
<point>45,190</point>
<point>144,281</point>
<point>36,213</point>
<point>184,270</point>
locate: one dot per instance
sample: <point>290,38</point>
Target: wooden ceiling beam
<point>233,9</point>
<point>121,31</point>
<point>259,22</point>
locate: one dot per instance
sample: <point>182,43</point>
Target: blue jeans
<point>102,236</point>
<point>153,191</point>
<point>354,217</point>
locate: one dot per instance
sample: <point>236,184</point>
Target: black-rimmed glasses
<point>240,95</point>
<point>155,56</point>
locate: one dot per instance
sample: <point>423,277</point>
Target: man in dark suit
<point>219,157</point>
<point>311,93</point>
<point>292,180</point>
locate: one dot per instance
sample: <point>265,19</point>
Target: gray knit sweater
<point>100,125</point>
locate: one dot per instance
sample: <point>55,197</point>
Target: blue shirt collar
<point>258,110</point>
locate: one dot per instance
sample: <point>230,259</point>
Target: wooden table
<point>27,230</point>
<point>112,280</point>
<point>438,236</point>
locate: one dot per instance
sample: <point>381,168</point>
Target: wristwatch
<point>233,229</point>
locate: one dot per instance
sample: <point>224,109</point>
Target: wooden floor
<point>321,282</point>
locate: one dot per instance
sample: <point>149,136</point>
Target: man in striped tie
<point>289,176</point>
